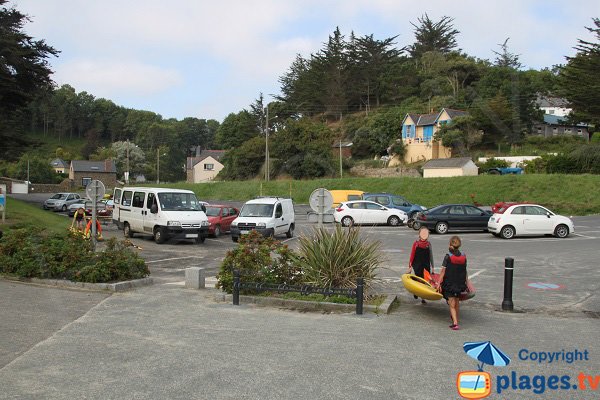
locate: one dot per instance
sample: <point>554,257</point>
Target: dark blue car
<point>394,201</point>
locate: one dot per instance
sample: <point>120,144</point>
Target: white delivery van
<point>160,212</point>
<point>271,216</point>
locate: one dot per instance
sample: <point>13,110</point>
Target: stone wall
<point>397,171</point>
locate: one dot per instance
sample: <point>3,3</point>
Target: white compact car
<point>368,212</point>
<point>529,219</point>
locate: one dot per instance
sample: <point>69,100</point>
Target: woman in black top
<point>453,278</point>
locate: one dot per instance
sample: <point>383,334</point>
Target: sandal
<point>454,327</point>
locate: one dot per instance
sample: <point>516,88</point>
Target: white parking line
<point>170,259</point>
<point>476,273</point>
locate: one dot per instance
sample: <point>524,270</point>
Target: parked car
<point>448,217</point>
<point>270,216</point>
<point>394,201</point>
<point>368,212</point>
<point>61,201</point>
<point>220,218</point>
<point>102,208</point>
<point>502,206</point>
<point>529,219</point>
<point>340,196</point>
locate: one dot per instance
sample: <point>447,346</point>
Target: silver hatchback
<point>61,201</point>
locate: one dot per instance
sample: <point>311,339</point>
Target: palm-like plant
<point>338,258</point>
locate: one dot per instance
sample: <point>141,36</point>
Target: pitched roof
<point>204,154</point>
<point>94,166</point>
<point>427,119</point>
<point>457,162</point>
<point>59,163</point>
<point>543,101</point>
<point>454,113</point>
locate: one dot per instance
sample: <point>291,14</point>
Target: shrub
<point>29,252</point>
<point>595,137</point>
<point>492,163</point>
<point>260,260</point>
<point>337,259</point>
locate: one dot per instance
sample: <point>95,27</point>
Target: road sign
<point>95,190</point>
<point>320,200</point>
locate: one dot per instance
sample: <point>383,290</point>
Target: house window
<point>209,167</point>
<point>579,131</point>
<point>550,111</point>
<point>85,181</point>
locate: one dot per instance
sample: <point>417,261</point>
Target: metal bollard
<point>507,303</point>
<point>236,287</point>
<point>360,284</point>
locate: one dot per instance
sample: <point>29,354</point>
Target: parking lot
<point>551,275</point>
<point>164,341</point>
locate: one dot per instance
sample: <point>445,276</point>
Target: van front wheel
<point>160,236</point>
<point>290,232</point>
<point>127,231</point>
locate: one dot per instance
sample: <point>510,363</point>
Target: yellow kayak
<point>420,287</point>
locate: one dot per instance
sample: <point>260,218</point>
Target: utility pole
<point>157,165</point>
<point>340,158</point>
<point>267,172</point>
<point>127,169</point>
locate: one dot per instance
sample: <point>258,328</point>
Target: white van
<point>160,212</point>
<point>271,216</point>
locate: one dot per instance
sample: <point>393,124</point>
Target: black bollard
<point>360,284</point>
<point>507,303</point>
<point>236,287</point>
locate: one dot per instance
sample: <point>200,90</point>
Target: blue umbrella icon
<point>486,353</point>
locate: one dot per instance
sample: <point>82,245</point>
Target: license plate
<point>191,235</point>
<point>244,232</point>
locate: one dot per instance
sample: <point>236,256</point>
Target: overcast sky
<point>205,59</point>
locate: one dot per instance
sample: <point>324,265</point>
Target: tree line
<point>355,88</point>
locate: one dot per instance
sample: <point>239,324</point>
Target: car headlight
<point>423,208</point>
<point>234,223</point>
<point>173,223</point>
<point>261,225</point>
<point>205,223</point>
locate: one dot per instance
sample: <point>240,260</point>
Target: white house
<point>554,106</point>
<point>447,167</point>
<point>204,167</point>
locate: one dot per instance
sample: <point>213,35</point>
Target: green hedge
<point>29,252</point>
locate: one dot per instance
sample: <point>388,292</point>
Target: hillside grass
<point>19,213</point>
<point>565,194</point>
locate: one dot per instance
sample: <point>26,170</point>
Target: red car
<point>220,218</point>
<point>502,206</point>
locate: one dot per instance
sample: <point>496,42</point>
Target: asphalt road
<point>165,341</point>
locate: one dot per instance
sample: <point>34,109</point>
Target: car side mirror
<point>203,207</point>
<point>548,215</point>
<point>406,205</point>
<point>154,208</point>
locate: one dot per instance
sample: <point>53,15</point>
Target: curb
<point>110,287</point>
<point>303,305</point>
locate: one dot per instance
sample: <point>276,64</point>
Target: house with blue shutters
<point>418,132</point>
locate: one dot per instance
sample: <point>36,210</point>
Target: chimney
<point>198,151</point>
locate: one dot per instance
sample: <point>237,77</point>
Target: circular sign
<point>95,190</point>
<point>320,200</point>
<point>544,286</point>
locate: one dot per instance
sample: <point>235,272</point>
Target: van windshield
<point>257,210</point>
<point>179,202</point>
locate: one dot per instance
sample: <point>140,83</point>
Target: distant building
<point>418,132</point>
<point>447,167</point>
<point>204,167</point>
<point>554,106</point>
<point>59,165</point>
<point>344,147</point>
<point>553,125</point>
<point>83,172</point>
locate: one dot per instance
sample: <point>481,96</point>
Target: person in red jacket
<point>421,256</point>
